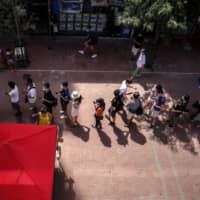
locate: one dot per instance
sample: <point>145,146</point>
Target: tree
<point>158,17</point>
<point>14,17</point>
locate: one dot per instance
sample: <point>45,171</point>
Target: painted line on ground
<point>172,163</point>
<point>103,71</point>
<point>159,168</point>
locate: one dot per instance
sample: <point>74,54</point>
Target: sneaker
<point>63,117</point>
<point>81,52</point>
<point>61,111</point>
<point>94,56</point>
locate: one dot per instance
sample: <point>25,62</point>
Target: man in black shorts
<point>90,44</point>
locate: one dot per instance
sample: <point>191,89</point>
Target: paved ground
<point>114,54</point>
<point>120,163</point>
<point>116,163</point>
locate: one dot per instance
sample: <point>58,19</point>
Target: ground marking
<point>103,71</point>
<point>157,161</point>
<point>181,193</point>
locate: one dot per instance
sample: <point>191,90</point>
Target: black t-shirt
<point>48,96</point>
<point>180,106</point>
<point>117,103</point>
<point>92,38</point>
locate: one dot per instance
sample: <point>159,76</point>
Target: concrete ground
<point>115,163</point>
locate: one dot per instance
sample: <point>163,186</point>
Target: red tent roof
<point>27,157</point>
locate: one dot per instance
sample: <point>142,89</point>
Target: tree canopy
<point>14,16</point>
<point>163,15</point>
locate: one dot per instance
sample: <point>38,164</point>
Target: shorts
<point>155,113</point>
<point>112,111</point>
<point>63,104</point>
<point>15,106</point>
<point>74,112</point>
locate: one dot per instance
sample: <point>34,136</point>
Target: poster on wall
<point>77,27</point>
<point>62,17</point>
<point>116,3</point>
<point>86,17</point>
<point>71,7</point>
<point>85,27</point>
<point>93,18</point>
<point>70,26</point>
<point>62,26</point>
<point>78,17</point>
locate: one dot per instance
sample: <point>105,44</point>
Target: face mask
<point>61,87</point>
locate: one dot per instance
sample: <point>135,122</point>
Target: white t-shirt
<point>14,95</point>
<point>32,94</point>
<point>141,61</point>
<point>123,88</point>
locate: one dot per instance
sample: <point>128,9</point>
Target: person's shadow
<point>122,136</point>
<point>136,136</point>
<point>81,131</point>
<point>105,139</point>
<point>63,186</point>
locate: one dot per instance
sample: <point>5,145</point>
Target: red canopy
<point>27,157</point>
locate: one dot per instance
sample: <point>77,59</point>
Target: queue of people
<point>150,106</point>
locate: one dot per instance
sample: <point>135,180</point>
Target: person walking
<point>48,98</point>
<point>64,95</point>
<point>90,44</point>
<point>99,106</point>
<point>116,106</point>
<point>14,97</point>
<point>76,99</point>
<point>141,61</point>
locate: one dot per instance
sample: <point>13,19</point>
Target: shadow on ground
<point>105,139</point>
<point>63,186</point>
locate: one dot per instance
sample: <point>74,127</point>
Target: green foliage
<point>13,16</point>
<point>165,15</point>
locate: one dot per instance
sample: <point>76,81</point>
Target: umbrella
<point>27,157</point>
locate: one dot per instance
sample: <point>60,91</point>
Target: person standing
<point>179,107</point>
<point>133,107</point>
<point>141,61</point>
<point>31,94</point>
<point>14,97</point>
<point>64,95</point>
<point>99,106</point>
<point>9,58</point>
<point>48,99</point>
<point>158,106</point>
<point>44,117</point>
<point>116,106</point>
<point>76,101</point>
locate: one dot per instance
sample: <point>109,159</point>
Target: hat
<point>75,95</point>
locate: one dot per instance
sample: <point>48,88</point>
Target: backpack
<point>117,103</point>
<point>140,110</point>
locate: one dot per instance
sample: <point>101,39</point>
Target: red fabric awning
<point>27,157</point>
